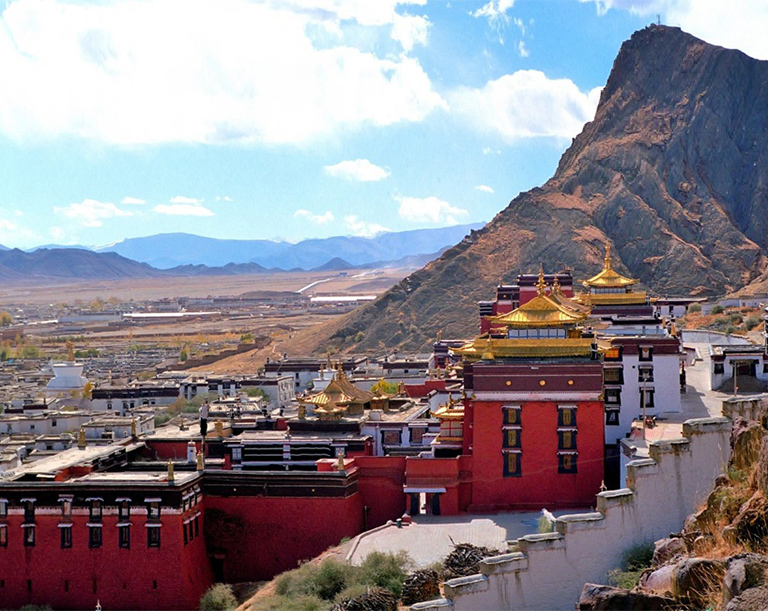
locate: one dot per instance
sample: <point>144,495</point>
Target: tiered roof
<point>608,277</point>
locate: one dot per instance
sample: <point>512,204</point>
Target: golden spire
<point>70,350</point>
<point>200,461</point>
<point>608,262</point>
<point>171,476</point>
<point>488,352</point>
<point>81,443</point>
<point>556,286</point>
<point>541,285</point>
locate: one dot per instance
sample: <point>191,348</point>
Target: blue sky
<point>294,119</point>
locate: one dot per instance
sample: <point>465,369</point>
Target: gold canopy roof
<point>339,392</point>
<point>609,277</point>
<point>450,411</point>
<point>542,311</point>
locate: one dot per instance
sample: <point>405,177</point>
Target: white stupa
<point>68,376</point>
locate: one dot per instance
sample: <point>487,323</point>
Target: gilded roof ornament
<point>541,285</point>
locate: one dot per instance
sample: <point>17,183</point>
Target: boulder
<point>746,438</point>
<point>665,550</point>
<point>606,598</point>
<point>660,580</point>
<point>752,522</point>
<point>753,599</point>
<point>742,572</point>
<point>694,578</point>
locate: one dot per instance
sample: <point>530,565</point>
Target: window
<point>29,511</point>
<point>649,397</point>
<point>614,375</point>
<point>237,454</point>
<point>512,464</point>
<point>390,438</point>
<point>153,510</point>
<point>566,439</point>
<point>613,354</point>
<point>53,421</point>
<point>646,353</point>
<point>567,462</point>
<point>645,374</point>
<point>511,437</point>
<point>124,510</point>
<point>3,508</point>
<point>719,368</point>
<point>94,536</point>
<point>511,414</point>
<point>29,535</point>
<point>197,526</point>
<point>3,535</point>
<point>66,536</point>
<point>124,536</point>
<point>186,535</point>
<point>612,417</point>
<point>109,404</point>
<point>153,537</point>
<point>612,396</point>
<point>417,435</point>
<point>452,429</point>
<point>566,416</point>
<point>95,515</point>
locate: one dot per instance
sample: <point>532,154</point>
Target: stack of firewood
<point>420,586</point>
<point>465,560</point>
<point>375,599</point>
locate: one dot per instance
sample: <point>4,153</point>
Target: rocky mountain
<point>672,171</point>
<point>174,249</point>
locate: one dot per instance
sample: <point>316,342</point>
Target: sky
<point>295,119</point>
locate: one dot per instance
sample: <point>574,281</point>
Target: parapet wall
<point>548,571</point>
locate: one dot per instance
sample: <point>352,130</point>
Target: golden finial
<point>171,476</point>
<point>81,438</point>
<point>340,463</point>
<point>200,461</point>
<point>608,262</point>
<point>556,286</point>
<point>440,335</point>
<point>541,285</point>
<point>70,350</point>
<point>302,411</point>
<point>134,432</point>
<point>488,352</point>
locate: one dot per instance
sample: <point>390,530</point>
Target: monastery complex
<point>534,412</point>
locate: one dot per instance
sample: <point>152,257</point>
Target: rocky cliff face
<point>673,171</point>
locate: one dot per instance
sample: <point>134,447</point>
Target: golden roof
<point>595,299</point>
<point>541,311</point>
<point>340,391</point>
<point>484,349</point>
<point>608,277</point>
<point>450,411</point>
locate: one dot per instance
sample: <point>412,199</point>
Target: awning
<point>419,490</point>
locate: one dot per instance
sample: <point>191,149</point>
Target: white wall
<point>548,571</point>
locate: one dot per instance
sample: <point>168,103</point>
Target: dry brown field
<point>36,292</point>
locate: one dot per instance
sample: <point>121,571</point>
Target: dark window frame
<point>563,460</point>
<point>124,511</point>
<point>516,442</point>
<point>95,511</point>
<point>124,536</point>
<point>570,434</point>
<point>95,537</point>
<point>66,537</point>
<point>642,352</point>
<point>650,397</point>
<point>29,535</point>
<point>3,535</point>
<point>612,370</point>
<point>153,536</point>
<point>612,417</point>
<point>512,414</point>
<point>518,471</point>
<point>561,421</point>
<point>648,377</point>
<point>611,394</point>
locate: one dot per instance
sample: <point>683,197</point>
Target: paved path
<point>431,538</point>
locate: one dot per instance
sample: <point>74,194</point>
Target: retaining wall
<point>548,571</point>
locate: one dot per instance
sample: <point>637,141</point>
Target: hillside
<point>70,263</point>
<point>672,172</point>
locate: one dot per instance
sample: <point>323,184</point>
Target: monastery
<point>527,415</point>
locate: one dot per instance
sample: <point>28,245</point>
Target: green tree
<point>5,319</point>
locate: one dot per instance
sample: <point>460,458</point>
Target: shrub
<point>694,307</point>
<point>385,570</point>
<point>753,320</point>
<point>737,318</point>
<point>331,578</point>
<point>219,597</point>
<point>730,329</point>
<point>718,309</point>
<point>635,560</point>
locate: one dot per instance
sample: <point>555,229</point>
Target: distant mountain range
<point>174,255</point>
<point>169,250</point>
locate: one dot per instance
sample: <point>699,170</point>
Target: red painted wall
<point>380,483</point>
<point>124,578</point>
<point>540,485</point>
<point>258,537</point>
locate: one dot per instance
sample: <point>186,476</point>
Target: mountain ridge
<point>671,172</point>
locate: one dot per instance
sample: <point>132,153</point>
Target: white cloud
<point>495,9</point>
<point>91,213</point>
<point>522,49</point>
<point>6,225</point>
<point>223,198</point>
<point>430,210</point>
<point>318,219</point>
<point>735,24</point>
<point>362,229</point>
<point>180,199</point>
<point>485,188</point>
<point>57,233</point>
<point>133,200</point>
<point>487,150</point>
<point>410,30</point>
<point>183,208</point>
<point>526,104</point>
<point>129,72</point>
<point>360,170</point>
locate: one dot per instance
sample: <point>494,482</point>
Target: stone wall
<point>548,571</point>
